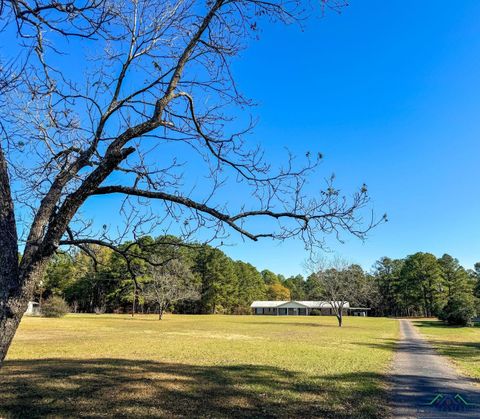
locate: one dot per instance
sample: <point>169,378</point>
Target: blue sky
<point>389,92</point>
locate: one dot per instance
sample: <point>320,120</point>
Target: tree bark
<point>17,280</point>
<point>340,319</point>
<point>8,327</point>
<point>10,284</point>
<point>14,306</point>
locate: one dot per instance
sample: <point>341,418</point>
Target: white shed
<point>33,309</point>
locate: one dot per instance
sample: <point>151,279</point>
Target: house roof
<point>308,304</point>
<point>267,304</point>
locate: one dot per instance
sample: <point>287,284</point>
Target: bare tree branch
<point>147,111</point>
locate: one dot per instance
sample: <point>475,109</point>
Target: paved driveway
<point>425,385</point>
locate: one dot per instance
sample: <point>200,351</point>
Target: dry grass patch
<point>197,366</point>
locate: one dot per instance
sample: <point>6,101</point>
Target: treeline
<point>423,285</point>
<point>101,280</point>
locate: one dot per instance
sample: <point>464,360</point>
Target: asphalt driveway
<point>426,385</point>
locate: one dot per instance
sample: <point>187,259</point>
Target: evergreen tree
<point>269,277</point>
<point>455,277</point>
<point>296,285</point>
<point>460,301</point>
<point>250,286</point>
<point>460,309</point>
<point>313,288</point>
<point>389,285</point>
<point>423,277</point>
<point>219,281</point>
<point>476,278</point>
<point>60,273</point>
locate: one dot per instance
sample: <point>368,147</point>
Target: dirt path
<point>425,385</point>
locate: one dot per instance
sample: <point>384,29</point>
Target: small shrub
<point>219,309</point>
<point>55,306</point>
<point>459,311</point>
<point>242,310</point>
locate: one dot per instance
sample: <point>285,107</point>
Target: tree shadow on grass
<point>303,324</point>
<point>138,388</point>
<point>424,391</point>
<point>460,351</point>
<point>417,347</point>
<point>440,325</point>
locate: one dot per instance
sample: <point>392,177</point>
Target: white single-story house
<point>302,308</point>
<point>33,309</point>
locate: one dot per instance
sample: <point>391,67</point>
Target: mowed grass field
<point>460,344</point>
<point>198,366</point>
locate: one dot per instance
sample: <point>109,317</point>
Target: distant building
<point>302,308</point>
<point>33,309</point>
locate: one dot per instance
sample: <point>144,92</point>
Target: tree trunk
<point>8,327</point>
<point>40,299</point>
<point>14,305</point>
<point>340,319</point>
<point>425,302</point>
<point>134,303</point>
<point>11,307</point>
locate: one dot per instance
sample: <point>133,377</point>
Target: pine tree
<point>422,275</point>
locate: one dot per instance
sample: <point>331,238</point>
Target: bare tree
<point>341,283</point>
<point>151,86</point>
<point>171,282</point>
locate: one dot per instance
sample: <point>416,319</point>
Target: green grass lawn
<point>197,366</point>
<point>460,344</point>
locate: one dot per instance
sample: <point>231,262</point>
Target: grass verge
<point>460,344</point>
